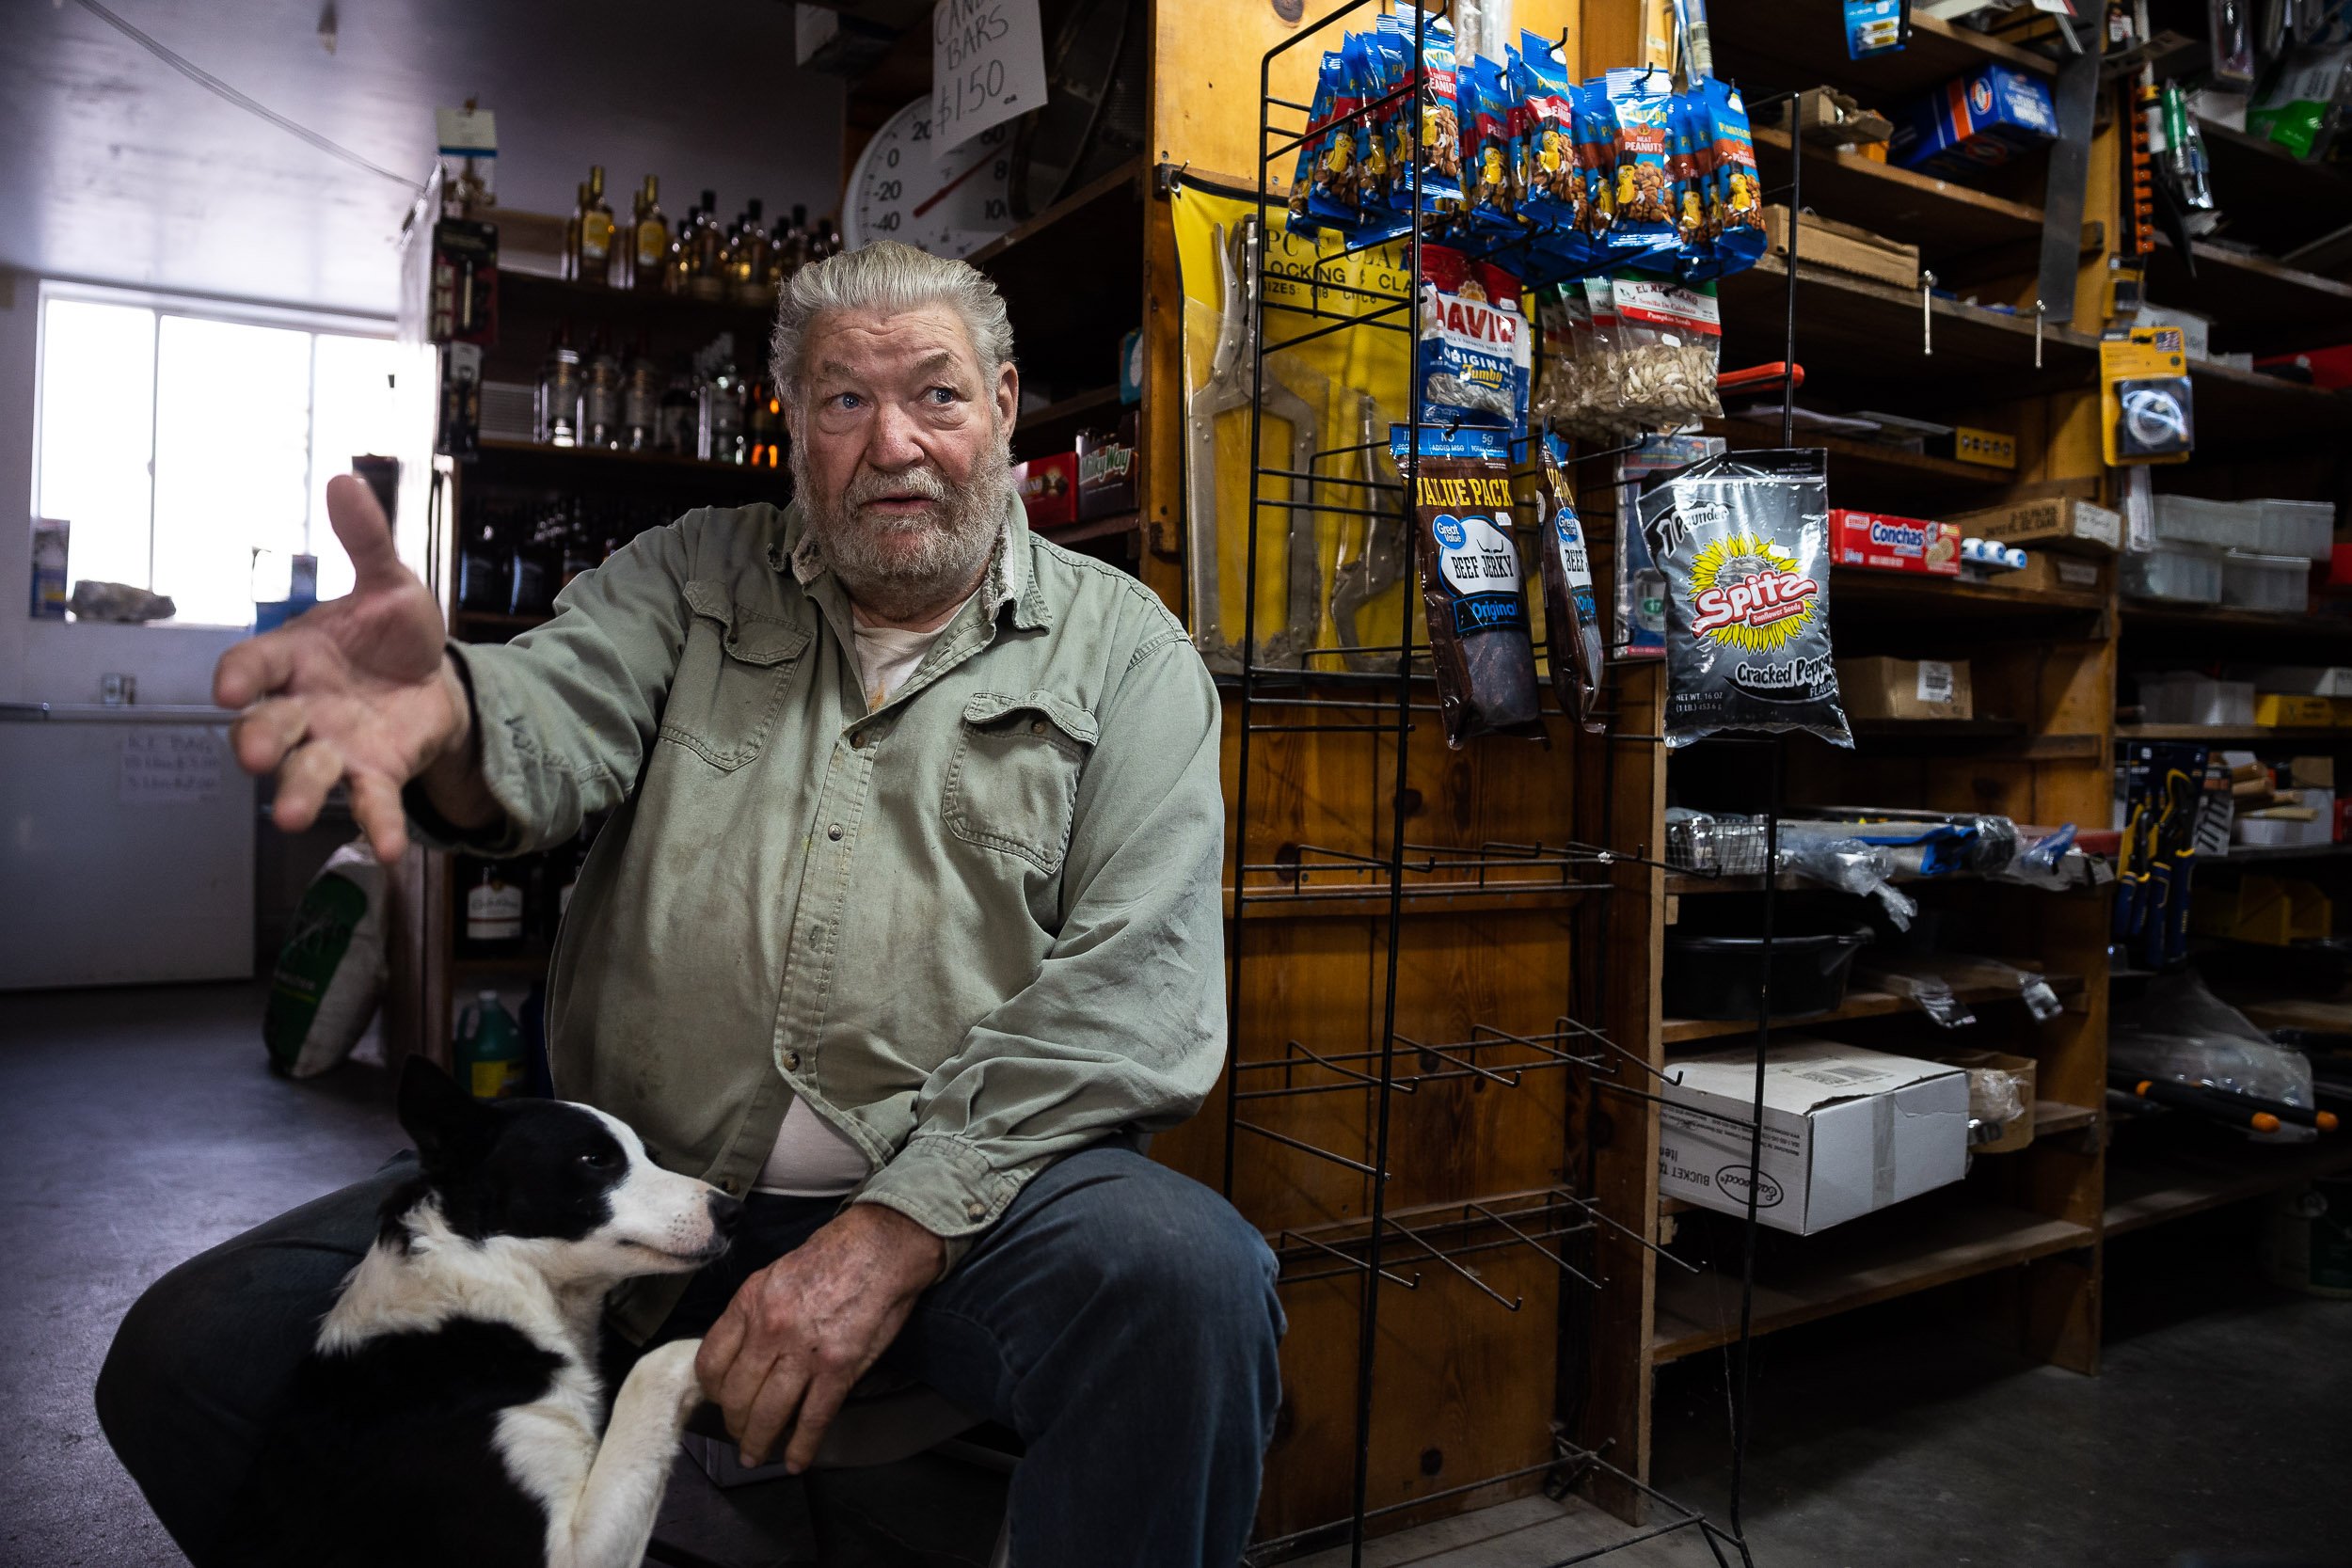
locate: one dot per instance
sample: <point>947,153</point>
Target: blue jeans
<point>1121,1318</point>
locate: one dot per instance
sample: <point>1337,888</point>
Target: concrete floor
<point>138,1127</point>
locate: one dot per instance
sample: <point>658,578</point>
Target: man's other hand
<point>800,1331</point>
<point>359,689</point>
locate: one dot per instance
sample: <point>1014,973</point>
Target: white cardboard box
<point>1846,1130</point>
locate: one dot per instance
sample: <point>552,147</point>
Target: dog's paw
<point>668,1373</point>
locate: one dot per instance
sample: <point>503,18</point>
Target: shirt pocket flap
<point>986,708</point>
<point>752,638</point>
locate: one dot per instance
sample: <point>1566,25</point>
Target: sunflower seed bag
<point>1742,540</point>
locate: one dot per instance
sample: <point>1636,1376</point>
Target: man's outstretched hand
<point>800,1331</point>
<point>359,690</point>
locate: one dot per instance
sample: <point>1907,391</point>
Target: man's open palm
<point>355,689</point>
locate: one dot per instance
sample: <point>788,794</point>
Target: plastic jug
<point>489,1050</point>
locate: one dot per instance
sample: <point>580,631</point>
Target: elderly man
<point>905,926</point>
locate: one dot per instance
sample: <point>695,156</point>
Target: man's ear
<point>444,1121</point>
<point>1008,394</point>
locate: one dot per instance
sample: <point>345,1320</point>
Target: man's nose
<point>891,444</point>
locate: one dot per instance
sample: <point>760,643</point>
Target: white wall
<point>61,661</point>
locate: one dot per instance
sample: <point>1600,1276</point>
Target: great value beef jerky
<point>1571,616</point>
<point>1742,540</point>
<point>1469,580</point>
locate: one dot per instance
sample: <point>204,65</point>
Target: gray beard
<point>951,546</point>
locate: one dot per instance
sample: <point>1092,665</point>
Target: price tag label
<point>988,64</point>
<point>163,767</point>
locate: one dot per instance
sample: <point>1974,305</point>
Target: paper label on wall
<point>161,766</point>
<point>1936,681</point>
<point>988,64</point>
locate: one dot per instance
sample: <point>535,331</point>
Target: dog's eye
<point>600,1159</point>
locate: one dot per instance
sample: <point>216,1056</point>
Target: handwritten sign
<point>161,766</point>
<point>988,64</point>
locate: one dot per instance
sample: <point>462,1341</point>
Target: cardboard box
<point>1049,489</point>
<point>2313,772</point>
<point>1883,688</point>
<point>1889,544</point>
<point>1974,122</point>
<point>2050,572</point>
<point>2310,680</point>
<point>2273,910</point>
<point>1846,1131</point>
<point>2055,520</point>
<point>1842,248</point>
<point>2286,711</point>
<point>1994,1076</point>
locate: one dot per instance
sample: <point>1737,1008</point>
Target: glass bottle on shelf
<point>651,254</point>
<point>531,572</point>
<point>748,274</point>
<point>830,242</point>
<point>675,426</point>
<point>600,396</point>
<point>763,424</point>
<point>681,258</point>
<point>640,397</point>
<point>720,426</point>
<point>577,543</point>
<point>482,560</point>
<point>558,405</point>
<point>794,242</point>
<point>705,278</point>
<point>571,235</point>
<point>596,232</point>
<point>495,908</point>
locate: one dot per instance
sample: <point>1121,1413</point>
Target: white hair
<point>887,277</point>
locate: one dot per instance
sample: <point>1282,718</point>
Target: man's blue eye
<point>943,394</point>
<point>845,400</point>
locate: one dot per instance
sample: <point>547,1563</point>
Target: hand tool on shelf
<point>1384,558</point>
<point>2221,1105</point>
<point>1229,387</point>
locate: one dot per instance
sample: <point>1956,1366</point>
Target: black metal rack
<point>1385,1248</point>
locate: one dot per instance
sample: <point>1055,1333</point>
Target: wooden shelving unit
<point>1861,1003</point>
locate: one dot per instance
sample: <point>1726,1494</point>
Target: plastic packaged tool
<point>1742,540</point>
<point>1571,615</point>
<point>1470,581</point>
<point>1474,351</point>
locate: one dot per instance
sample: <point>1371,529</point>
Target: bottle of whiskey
<point>559,392</point>
<point>673,424</point>
<point>571,236</point>
<point>763,424</point>
<point>640,397</point>
<point>681,258</point>
<point>747,272</point>
<point>600,396</point>
<point>596,232</point>
<point>707,277</point>
<point>652,254</point>
<point>495,907</point>
<point>720,431</point>
<point>794,242</point>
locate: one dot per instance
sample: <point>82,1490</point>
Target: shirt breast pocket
<point>731,677</point>
<point>1013,782</point>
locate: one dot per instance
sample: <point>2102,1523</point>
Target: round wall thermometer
<point>902,190</point>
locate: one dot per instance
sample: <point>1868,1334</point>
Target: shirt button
<point>1037,726</point>
<point>833,833</point>
<point>862,739</point>
<point>975,1208</point>
<point>792,1060</point>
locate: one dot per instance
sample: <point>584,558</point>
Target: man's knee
<point>1183,1256</point>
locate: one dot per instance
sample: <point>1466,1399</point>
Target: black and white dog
<point>450,1409</point>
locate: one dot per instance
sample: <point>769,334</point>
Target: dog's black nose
<point>725,1212</point>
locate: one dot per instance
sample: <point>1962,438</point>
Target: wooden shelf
<point>1866,337</point>
<point>1071,278</point>
<point>2254,733</point>
<point>1874,1258</point>
<point>1944,220</point>
<point>496,452</point>
<point>537,296</point>
<point>2245,408</point>
<point>2272,854</point>
<point>2055,1116</point>
<point>1098,528</point>
<point>1912,595</point>
<point>1078,208</point>
<point>2213,623</point>
<point>1680,883</point>
<point>2258,305</point>
<point>1858,1004</point>
<point>1762,47</point>
<point>1885,478</point>
<point>2270,197</point>
<point>1053,427</point>
<point>2145,1189</point>
<point>534,963</point>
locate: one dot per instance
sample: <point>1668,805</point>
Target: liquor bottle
<point>674,430</point>
<point>530,573</point>
<point>719,433</point>
<point>559,392</point>
<point>481,561</point>
<point>495,907</point>
<point>640,397</point>
<point>653,240</point>
<point>763,425</point>
<point>705,278</point>
<point>830,243</point>
<point>748,274</point>
<point>578,544</point>
<point>596,232</point>
<point>600,396</point>
<point>571,235</point>
<point>795,242</point>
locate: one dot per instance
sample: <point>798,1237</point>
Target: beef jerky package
<point>1743,541</point>
<point>1469,581</point>
<point>1571,616</point>
<point>1475,354</point>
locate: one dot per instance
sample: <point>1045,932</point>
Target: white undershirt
<point>812,1159</point>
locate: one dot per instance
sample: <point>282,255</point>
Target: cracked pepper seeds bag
<point>1469,581</point>
<point>1742,540</point>
<point>1571,615</point>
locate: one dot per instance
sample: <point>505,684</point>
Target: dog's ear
<point>445,1121</point>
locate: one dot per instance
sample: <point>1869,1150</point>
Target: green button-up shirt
<point>976,929</point>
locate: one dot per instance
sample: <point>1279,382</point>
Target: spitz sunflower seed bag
<point>1742,540</point>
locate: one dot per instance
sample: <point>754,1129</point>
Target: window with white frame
<point>190,452</point>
